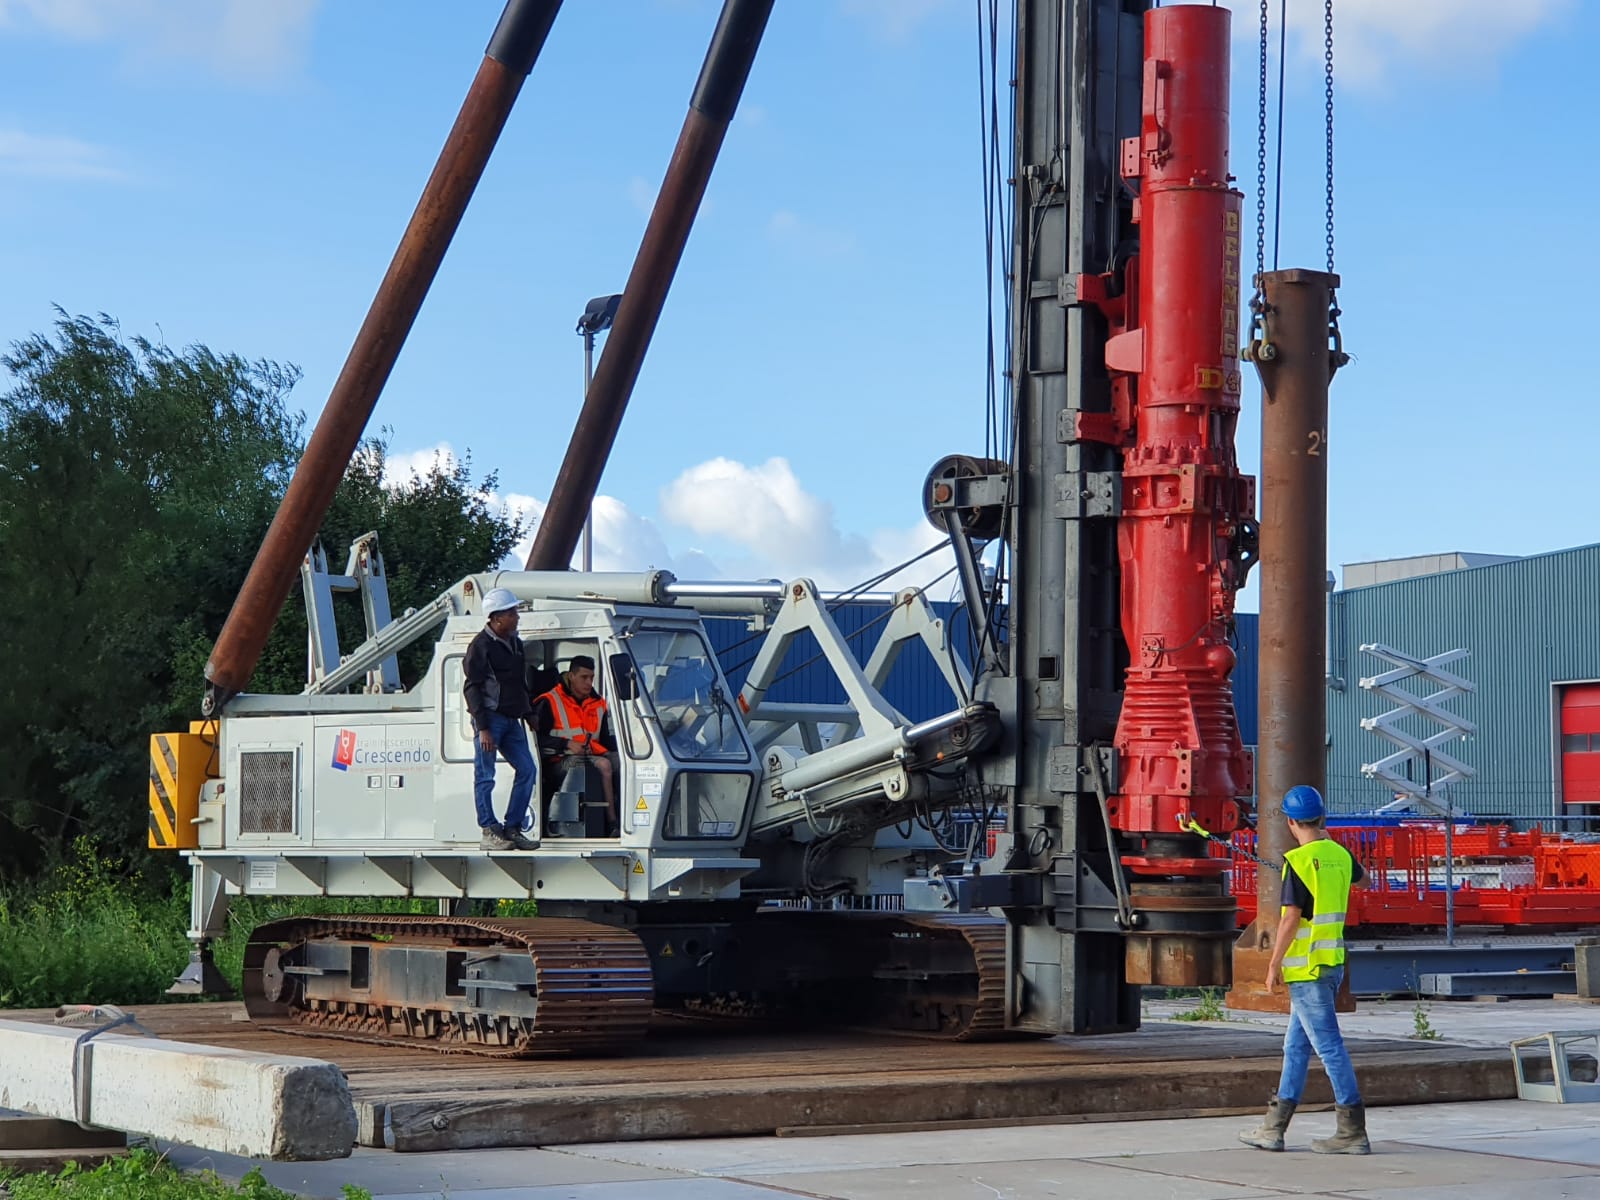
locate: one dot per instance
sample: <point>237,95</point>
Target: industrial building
<point>1531,626</point>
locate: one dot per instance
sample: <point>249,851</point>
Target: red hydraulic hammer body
<point>1187,534</point>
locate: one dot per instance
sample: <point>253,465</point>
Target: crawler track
<point>927,976</point>
<point>501,988</point>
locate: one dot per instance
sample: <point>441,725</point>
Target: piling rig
<point>1097,714</point>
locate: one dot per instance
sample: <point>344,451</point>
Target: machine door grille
<point>266,791</point>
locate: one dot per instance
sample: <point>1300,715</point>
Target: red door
<point>1580,743</point>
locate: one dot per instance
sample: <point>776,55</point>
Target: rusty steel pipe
<point>510,56</point>
<point>1294,361</point>
<point>716,96</point>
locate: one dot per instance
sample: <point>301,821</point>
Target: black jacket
<point>496,678</point>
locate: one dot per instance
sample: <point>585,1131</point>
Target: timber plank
<point>727,1108</point>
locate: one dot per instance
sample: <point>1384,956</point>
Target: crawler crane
<point>1097,714</point>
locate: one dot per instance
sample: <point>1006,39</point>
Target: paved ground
<point>1487,1151</point>
<point>1471,1022</point>
<point>1482,1151</point>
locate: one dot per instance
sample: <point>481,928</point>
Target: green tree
<point>136,483</point>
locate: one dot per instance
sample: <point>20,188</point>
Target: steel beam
<point>716,96</point>
<point>1077,95</point>
<point>510,56</point>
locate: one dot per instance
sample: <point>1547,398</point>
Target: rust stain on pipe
<point>716,96</point>
<point>512,52</point>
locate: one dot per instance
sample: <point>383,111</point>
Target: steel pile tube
<point>1294,362</point>
<point>716,97</point>
<point>510,56</point>
<point>1294,551</point>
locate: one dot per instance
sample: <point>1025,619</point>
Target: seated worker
<point>573,726</point>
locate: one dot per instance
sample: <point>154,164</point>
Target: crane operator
<point>573,726</point>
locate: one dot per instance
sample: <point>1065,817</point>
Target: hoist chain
<point>1336,355</point>
<point>1327,78</point>
<point>1261,152</point>
<point>1257,314</point>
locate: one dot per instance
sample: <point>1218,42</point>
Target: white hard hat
<point>498,600</point>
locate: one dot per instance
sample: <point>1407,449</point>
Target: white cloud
<point>399,468</point>
<point>783,530</point>
<point>1372,36</point>
<point>807,238</point>
<point>44,157</point>
<point>623,540</point>
<point>760,520</point>
<point>242,40</point>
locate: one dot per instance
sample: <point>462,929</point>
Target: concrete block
<point>253,1105</point>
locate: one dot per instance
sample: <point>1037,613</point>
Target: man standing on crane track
<point>573,725</point>
<point>1308,956</point>
<point>496,691</point>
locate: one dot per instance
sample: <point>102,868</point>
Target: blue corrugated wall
<point>916,688</point>
<point>1529,623</point>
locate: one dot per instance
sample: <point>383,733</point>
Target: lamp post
<point>596,318</point>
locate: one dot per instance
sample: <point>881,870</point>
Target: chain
<point>1336,353</point>
<point>1256,300</point>
<point>1261,152</point>
<point>1327,76</point>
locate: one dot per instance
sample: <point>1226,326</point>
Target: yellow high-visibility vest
<point>1325,867</point>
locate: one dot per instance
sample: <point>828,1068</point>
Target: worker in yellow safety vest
<point>573,723</point>
<point>1308,957</point>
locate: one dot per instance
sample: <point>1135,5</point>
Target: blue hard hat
<point>1302,803</point>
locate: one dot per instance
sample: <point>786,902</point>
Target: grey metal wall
<point>1528,622</point>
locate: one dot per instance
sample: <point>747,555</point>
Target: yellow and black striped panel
<point>179,764</point>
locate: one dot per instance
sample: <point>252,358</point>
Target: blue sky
<point>237,173</point>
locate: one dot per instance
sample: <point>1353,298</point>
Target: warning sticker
<point>642,806</point>
<point>638,867</point>
<point>666,950</point>
<point>263,875</point>
<point>650,777</point>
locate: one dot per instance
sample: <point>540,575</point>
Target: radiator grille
<point>266,791</point>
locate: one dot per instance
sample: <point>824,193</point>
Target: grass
<point>1207,1008</point>
<point>145,1175</point>
<point>92,932</point>
<point>1421,1028</point>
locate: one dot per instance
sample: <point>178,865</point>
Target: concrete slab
<point>1462,1022</point>
<point>1579,1146</point>
<point>449,1171</point>
<point>1057,1179</point>
<point>754,1157</point>
<point>668,1189</point>
<point>1533,1189</point>
<point>1488,1151</point>
<point>1391,1167</point>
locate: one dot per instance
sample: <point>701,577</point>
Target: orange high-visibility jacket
<point>577,720</point>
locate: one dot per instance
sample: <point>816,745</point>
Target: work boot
<point>1269,1134</point>
<point>1351,1135</point>
<point>520,840</point>
<point>494,837</point>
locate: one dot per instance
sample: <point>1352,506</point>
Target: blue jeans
<point>510,740</point>
<point>1314,1025</point>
